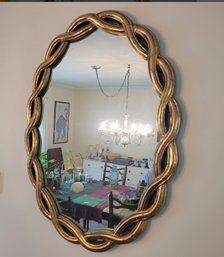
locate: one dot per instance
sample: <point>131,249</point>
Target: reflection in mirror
<point>76,156</point>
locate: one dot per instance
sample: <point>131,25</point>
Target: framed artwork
<point>61,122</point>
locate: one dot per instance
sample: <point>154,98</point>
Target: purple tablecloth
<point>95,213</point>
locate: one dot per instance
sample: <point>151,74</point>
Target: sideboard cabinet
<point>95,169</point>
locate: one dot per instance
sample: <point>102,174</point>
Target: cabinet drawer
<point>134,175</point>
<point>131,183</point>
<point>93,164</point>
<point>132,180</point>
<point>136,171</point>
<point>94,169</point>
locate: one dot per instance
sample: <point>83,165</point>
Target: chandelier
<point>127,134</point>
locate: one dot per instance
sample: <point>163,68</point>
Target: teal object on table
<point>88,200</point>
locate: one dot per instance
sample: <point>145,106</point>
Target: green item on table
<point>89,200</point>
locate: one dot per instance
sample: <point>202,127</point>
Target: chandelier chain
<point>127,95</point>
<point>101,88</point>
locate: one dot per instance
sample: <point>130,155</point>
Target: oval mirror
<point>102,130</point>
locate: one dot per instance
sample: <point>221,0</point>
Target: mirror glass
<point>75,105</point>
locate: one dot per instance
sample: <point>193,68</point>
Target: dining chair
<point>122,173</point>
<point>118,210</point>
<point>55,154</point>
<point>67,207</point>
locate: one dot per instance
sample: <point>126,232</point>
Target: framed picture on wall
<point>61,122</point>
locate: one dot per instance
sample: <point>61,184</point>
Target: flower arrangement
<point>52,171</point>
<point>73,166</point>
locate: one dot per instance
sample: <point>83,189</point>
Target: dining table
<point>90,203</point>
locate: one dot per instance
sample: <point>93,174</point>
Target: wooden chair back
<point>122,173</point>
<point>56,155</point>
<point>66,206</point>
<point>115,203</point>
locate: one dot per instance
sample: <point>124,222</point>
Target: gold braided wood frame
<point>168,122</point>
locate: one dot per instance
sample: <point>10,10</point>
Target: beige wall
<point>61,93</point>
<point>191,36</point>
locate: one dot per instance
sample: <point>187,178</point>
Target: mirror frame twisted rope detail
<point>168,122</point>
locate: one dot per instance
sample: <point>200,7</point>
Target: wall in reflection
<point>88,107</point>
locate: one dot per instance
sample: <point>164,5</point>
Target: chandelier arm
<point>101,88</point>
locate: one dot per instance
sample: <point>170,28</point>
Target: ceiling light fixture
<point>126,135</point>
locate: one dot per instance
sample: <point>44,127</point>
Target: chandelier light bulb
<point>103,127</point>
<point>149,129</point>
<point>133,129</point>
<point>114,127</point>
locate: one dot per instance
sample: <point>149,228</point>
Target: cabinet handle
<point>129,171</point>
<point>89,164</point>
<point>128,179</point>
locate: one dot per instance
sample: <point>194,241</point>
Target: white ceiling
<point>112,53</point>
